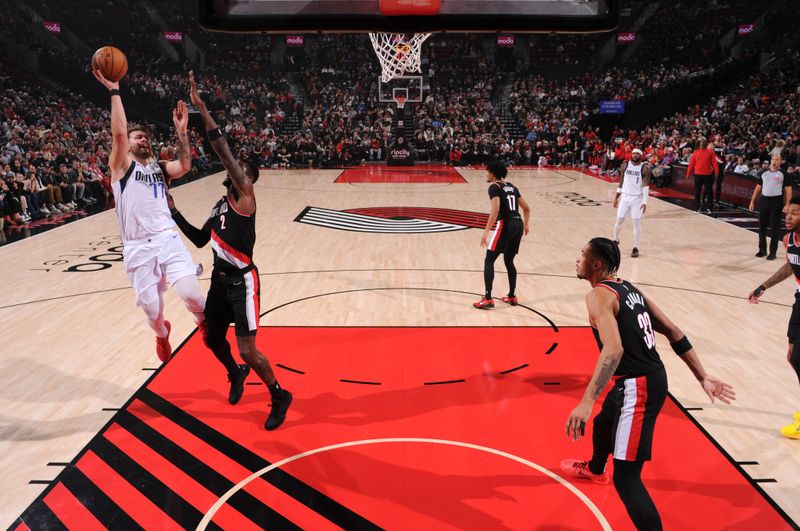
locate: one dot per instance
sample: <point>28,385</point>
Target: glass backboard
<point>410,16</point>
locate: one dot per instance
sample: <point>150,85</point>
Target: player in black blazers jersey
<point>234,295</point>
<point>506,202</point>
<point>624,323</point>
<point>792,267</point>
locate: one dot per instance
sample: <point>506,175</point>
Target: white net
<point>398,53</point>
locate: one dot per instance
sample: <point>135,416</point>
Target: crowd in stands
<point>54,144</point>
<point>54,149</point>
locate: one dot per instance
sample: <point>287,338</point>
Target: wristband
<point>214,134</point>
<point>681,346</point>
<point>174,212</point>
<point>759,291</point>
<point>114,92</point>
<point>645,194</point>
<point>619,189</point>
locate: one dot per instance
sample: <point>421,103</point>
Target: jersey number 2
<point>222,221</point>
<point>647,328</point>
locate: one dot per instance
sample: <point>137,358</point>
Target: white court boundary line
<point>569,486</point>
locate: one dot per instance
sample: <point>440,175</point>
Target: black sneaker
<point>635,253</point>
<point>759,254</point>
<point>237,384</point>
<point>771,257</point>
<point>278,413</point>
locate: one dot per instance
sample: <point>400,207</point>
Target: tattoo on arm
<point>183,148</point>
<point>604,376</point>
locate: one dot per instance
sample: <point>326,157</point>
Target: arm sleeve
<point>199,237</point>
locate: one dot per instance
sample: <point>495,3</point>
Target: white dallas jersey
<point>141,198</point>
<point>632,183</point>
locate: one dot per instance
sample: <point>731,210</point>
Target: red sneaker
<point>484,304</point>
<point>580,469</point>
<point>163,349</point>
<point>510,300</point>
<point>203,332</point>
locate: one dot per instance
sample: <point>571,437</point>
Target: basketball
<point>111,62</point>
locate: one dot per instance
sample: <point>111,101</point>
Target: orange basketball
<point>111,62</point>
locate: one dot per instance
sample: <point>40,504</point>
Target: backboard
<point>410,16</point>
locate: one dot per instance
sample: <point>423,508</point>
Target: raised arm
<point>179,168</point>
<point>120,159</point>
<point>603,306</point>
<point>241,182</point>
<point>712,386</point>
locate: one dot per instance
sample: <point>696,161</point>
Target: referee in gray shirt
<point>776,192</point>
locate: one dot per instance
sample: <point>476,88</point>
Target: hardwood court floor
<point>76,344</point>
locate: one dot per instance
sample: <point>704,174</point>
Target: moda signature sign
<point>96,255</point>
<point>571,198</point>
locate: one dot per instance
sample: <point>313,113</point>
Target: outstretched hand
<point>716,388</point>
<point>110,85</point>
<point>180,117</point>
<point>194,95</point>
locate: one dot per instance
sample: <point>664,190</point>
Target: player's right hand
<point>616,202</point>
<point>110,85</point>
<point>194,95</point>
<point>754,295</point>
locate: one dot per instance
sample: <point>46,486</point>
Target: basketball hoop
<point>398,54</point>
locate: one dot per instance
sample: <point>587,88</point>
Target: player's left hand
<point>180,117</point>
<point>485,240</point>
<point>644,209</point>
<point>576,423</point>
<point>525,230</point>
<point>716,388</point>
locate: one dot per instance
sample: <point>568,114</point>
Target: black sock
<point>487,295</point>
<point>276,391</point>
<point>597,465</point>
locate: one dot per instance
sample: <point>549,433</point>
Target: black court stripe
<point>175,506</point>
<point>514,369</point>
<point>41,517</point>
<point>300,491</point>
<point>203,474</point>
<point>96,501</point>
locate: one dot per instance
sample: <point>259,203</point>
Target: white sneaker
<point>44,211</point>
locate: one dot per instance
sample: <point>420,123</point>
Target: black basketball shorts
<point>506,237</point>
<point>235,298</point>
<point>794,321</point>
<point>628,416</point>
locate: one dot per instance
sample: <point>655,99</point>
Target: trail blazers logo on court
<point>395,220</point>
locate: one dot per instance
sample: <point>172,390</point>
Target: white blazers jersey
<point>632,183</point>
<point>141,198</point>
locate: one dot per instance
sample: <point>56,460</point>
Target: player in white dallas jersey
<point>154,254</point>
<point>632,193</point>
